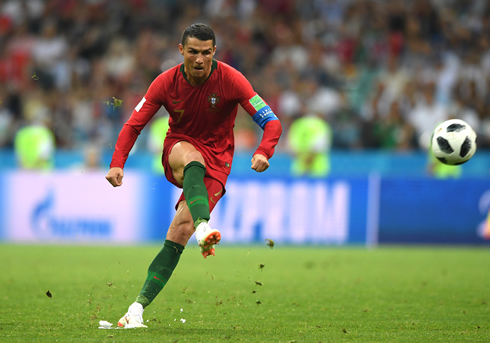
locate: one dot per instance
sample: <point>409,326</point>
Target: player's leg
<point>162,267</point>
<point>188,169</point>
<point>160,270</point>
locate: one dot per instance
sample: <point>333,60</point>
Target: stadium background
<point>380,73</point>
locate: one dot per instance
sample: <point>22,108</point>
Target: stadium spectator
<point>91,162</point>
<point>427,114</point>
<point>50,57</point>
<point>399,134</point>
<point>310,140</point>
<point>7,128</point>
<point>35,145</point>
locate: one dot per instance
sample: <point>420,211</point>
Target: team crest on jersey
<point>213,99</point>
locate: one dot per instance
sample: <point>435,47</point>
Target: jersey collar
<point>214,65</point>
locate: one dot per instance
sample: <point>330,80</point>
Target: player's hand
<point>260,163</point>
<point>115,176</point>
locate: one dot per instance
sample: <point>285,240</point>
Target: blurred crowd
<point>381,73</point>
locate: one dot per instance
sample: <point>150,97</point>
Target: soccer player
<point>202,96</point>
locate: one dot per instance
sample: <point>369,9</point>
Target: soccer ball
<point>453,142</point>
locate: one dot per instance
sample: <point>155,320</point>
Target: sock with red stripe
<point>160,271</point>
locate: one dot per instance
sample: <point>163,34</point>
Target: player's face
<point>198,58</point>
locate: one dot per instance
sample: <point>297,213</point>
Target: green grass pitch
<point>249,294</point>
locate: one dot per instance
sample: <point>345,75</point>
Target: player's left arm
<point>263,116</point>
<point>270,138</point>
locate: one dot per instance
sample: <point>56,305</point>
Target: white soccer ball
<point>453,142</point>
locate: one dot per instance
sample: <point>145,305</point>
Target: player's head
<point>200,31</point>
<point>198,48</point>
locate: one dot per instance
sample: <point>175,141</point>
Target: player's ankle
<point>199,221</point>
<point>142,300</point>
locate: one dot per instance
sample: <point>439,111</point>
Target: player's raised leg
<point>188,169</point>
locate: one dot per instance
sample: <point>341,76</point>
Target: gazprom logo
<point>46,224</point>
<point>293,212</point>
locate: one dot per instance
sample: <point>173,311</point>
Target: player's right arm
<point>143,112</point>
<point>115,176</point>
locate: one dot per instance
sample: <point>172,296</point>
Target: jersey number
<point>181,114</point>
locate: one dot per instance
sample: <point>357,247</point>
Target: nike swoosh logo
<point>216,194</point>
<point>177,101</point>
<point>193,201</point>
<point>157,278</point>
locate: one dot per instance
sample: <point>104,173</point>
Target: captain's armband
<point>263,116</point>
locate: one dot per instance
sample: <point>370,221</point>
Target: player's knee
<point>178,173</point>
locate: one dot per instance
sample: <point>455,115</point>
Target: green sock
<point>195,192</point>
<point>160,271</point>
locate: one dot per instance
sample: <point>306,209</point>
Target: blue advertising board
<point>434,211</point>
<point>69,207</point>
<point>64,206</point>
<point>287,210</point>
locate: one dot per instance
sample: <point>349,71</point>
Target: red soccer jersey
<point>202,115</point>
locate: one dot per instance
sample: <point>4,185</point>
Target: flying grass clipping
<point>115,103</point>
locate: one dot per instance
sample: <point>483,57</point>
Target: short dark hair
<point>200,31</point>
